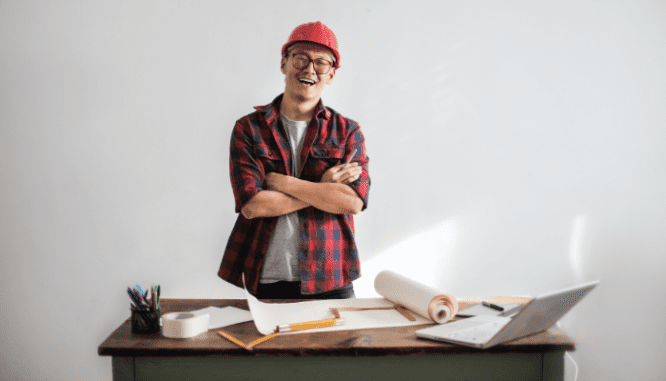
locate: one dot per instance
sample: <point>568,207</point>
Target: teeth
<point>306,81</point>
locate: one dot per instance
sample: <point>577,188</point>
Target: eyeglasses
<point>301,61</point>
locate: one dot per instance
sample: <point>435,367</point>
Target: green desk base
<point>547,366</point>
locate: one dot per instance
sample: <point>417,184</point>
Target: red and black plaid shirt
<point>259,145</point>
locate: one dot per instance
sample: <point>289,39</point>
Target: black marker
<point>493,306</point>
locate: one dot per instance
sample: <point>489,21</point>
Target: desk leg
<point>123,368</point>
<point>553,366</point>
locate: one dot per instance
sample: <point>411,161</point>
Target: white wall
<point>515,148</point>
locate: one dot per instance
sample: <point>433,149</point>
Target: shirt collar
<point>272,110</point>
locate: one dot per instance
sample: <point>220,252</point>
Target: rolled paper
<point>417,297</point>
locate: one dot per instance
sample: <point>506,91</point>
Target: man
<point>296,194</point>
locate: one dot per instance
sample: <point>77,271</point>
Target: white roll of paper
<point>181,325</point>
<point>424,300</point>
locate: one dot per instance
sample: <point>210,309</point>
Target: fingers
<point>351,179</point>
<point>350,174</point>
<point>340,166</point>
<point>336,174</point>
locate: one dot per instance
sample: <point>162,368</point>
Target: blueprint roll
<point>417,297</point>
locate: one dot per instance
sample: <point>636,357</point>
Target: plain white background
<point>515,147</point>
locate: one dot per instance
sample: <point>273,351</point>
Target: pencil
<point>350,158</point>
<point>232,339</point>
<point>400,309</point>
<point>261,340</point>
<point>311,325</point>
<point>405,313</point>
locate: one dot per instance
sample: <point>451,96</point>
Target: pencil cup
<point>145,321</point>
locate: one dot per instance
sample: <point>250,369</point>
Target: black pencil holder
<point>145,321</point>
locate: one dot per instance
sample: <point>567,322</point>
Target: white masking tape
<point>181,325</point>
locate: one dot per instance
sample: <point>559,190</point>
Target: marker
<point>350,158</point>
<point>493,306</point>
<point>135,299</point>
<point>139,296</point>
<point>311,325</point>
<point>512,311</point>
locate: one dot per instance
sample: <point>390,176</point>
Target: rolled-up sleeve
<point>356,141</point>
<point>246,171</point>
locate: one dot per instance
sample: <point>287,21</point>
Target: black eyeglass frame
<point>293,62</point>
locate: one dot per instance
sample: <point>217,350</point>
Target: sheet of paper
<point>267,316</point>
<point>224,316</point>
<point>480,309</point>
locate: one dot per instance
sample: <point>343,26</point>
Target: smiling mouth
<point>307,82</point>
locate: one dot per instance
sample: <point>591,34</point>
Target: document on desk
<point>224,316</point>
<point>395,289</point>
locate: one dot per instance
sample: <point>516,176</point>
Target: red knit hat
<point>315,32</point>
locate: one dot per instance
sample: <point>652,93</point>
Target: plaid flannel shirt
<point>259,145</point>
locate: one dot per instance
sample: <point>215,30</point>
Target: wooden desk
<point>369,354</point>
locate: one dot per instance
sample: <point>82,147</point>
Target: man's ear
<point>283,65</point>
<point>331,74</point>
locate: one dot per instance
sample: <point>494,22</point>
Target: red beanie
<point>315,32</point>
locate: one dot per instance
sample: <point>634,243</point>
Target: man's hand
<point>344,176</point>
<point>331,194</point>
<point>275,181</point>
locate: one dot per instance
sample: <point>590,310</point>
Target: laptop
<point>485,331</point>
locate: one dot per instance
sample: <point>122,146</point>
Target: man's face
<point>306,84</point>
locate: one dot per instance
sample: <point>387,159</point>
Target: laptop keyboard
<point>479,334</point>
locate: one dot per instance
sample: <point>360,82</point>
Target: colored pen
<point>138,294</point>
<point>350,158</point>
<point>135,299</point>
<point>493,306</point>
<point>140,298</point>
<point>150,298</point>
<point>311,325</point>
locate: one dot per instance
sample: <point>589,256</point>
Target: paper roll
<point>424,300</point>
<point>181,325</point>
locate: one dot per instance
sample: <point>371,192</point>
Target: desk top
<point>363,342</point>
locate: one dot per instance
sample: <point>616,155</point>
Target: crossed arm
<point>286,194</point>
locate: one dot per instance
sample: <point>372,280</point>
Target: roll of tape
<point>181,325</point>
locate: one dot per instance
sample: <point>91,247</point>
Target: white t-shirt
<point>282,259</point>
